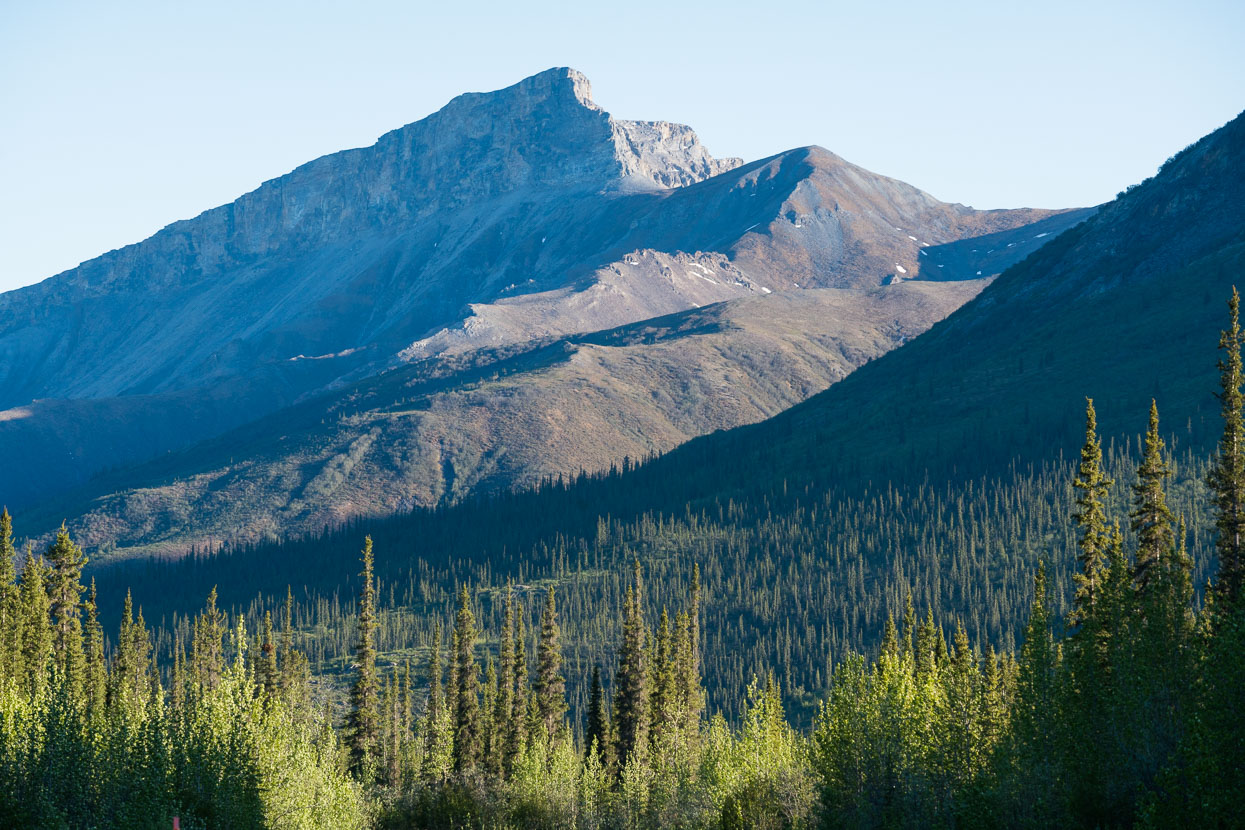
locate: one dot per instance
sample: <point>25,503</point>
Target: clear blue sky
<point>121,117</point>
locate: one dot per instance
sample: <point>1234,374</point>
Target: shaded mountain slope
<point>1124,307</point>
<point>505,218</point>
<point>483,421</point>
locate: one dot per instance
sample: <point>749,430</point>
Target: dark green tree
<point>364,719</point>
<point>550,686</point>
<point>268,678</point>
<point>206,649</point>
<point>65,597</point>
<point>631,701</point>
<point>1227,477</point>
<point>467,687</point>
<point>519,706</point>
<point>1152,519</point>
<point>36,629</point>
<point>1092,486</point>
<point>10,598</point>
<point>433,712</point>
<point>503,715</point>
<point>95,678</point>
<point>597,728</point>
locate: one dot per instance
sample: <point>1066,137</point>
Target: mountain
<point>488,232</point>
<point>937,474</point>
<point>1123,308</point>
<point>444,428</point>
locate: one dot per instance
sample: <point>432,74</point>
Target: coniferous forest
<point>1062,648</point>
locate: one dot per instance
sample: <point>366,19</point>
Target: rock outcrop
<point>515,216</point>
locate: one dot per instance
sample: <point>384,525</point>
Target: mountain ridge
<point>543,217</point>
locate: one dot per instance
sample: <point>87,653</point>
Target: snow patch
<point>766,290</point>
<point>328,356</point>
<point>913,238</point>
<point>900,269</point>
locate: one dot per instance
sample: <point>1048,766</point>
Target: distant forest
<point>1062,646</point>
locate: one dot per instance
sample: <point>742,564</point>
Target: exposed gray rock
<point>507,216</point>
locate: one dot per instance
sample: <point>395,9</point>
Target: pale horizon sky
<point>121,118</point>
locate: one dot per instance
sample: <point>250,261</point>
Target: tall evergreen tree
<point>597,729</point>
<point>1092,486</point>
<point>268,678</point>
<point>663,695</point>
<point>691,690</point>
<point>435,737</point>
<point>631,703</point>
<point>490,742</point>
<point>467,687</point>
<point>1151,518</point>
<point>1227,477</point>
<point>36,629</point>
<point>95,680</point>
<point>519,705</point>
<point>503,714</point>
<point>550,688</point>
<point>123,659</point>
<point>206,655</point>
<point>65,596</point>
<point>1035,775</point>
<point>364,720</point>
<point>10,597</point>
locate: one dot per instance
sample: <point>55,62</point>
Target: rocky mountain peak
<point>555,112</point>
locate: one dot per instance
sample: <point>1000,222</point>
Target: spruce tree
<point>294,669</point>
<point>123,659</point>
<point>392,745</point>
<point>1227,477</point>
<point>363,720</point>
<point>65,596</point>
<point>550,687</point>
<point>96,673</point>
<point>206,657</point>
<point>489,748</point>
<point>597,729</point>
<point>36,628</point>
<point>10,597</point>
<point>436,737</point>
<point>267,676</point>
<point>519,704</point>
<point>691,692</point>
<point>631,704</point>
<point>467,691</point>
<point>663,700</point>
<point>1092,486</point>
<point>1035,713</point>
<point>177,684</point>
<point>1151,517</point>
<point>503,714</point>
<point>141,679</point>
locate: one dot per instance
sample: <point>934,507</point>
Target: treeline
<point>89,739</point>
<point>786,586</point>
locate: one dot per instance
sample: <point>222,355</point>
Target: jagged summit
<point>505,218</point>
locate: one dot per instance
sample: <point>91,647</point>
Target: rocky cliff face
<point>506,217</point>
